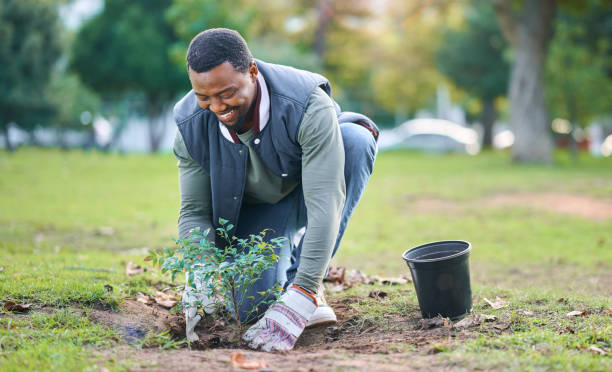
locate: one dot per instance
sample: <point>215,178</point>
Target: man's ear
<point>253,71</point>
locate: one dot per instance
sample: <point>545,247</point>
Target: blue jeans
<point>288,216</point>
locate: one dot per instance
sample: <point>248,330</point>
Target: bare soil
<point>563,203</point>
<point>350,344</point>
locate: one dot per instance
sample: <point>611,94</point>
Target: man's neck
<point>250,120</point>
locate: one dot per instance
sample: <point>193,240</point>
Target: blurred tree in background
<point>579,70</point>
<point>126,50</point>
<point>76,104</point>
<point>29,48</point>
<point>472,57</point>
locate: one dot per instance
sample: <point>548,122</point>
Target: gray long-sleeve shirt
<point>322,183</point>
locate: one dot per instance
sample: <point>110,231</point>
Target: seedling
<point>225,273</point>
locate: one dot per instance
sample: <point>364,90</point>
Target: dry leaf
<point>434,322</point>
<point>608,311</point>
<point>356,277</point>
<point>145,299</point>
<point>487,317</point>
<point>595,349</point>
<point>16,308</point>
<point>528,313</point>
<point>240,361</point>
<point>133,269</point>
<point>473,320</point>
<point>378,294</point>
<point>391,281</point>
<point>576,313</point>
<point>105,231</point>
<point>497,304</point>
<point>336,275</point>
<point>166,300</point>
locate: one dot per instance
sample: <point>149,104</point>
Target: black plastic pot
<point>441,277</point>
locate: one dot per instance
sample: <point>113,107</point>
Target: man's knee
<point>359,144</point>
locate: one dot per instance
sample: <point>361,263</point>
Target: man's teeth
<point>226,116</point>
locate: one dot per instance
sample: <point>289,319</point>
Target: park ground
<point>541,235</point>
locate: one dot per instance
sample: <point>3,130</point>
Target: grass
<point>69,221</point>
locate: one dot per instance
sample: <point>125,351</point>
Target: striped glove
<point>284,322</point>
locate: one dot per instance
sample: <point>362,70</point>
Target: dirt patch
<point>351,344</point>
<point>563,203</point>
<point>134,320</point>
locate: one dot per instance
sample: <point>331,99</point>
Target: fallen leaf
<point>608,311</point>
<point>391,281</point>
<point>487,317</point>
<point>497,304</point>
<point>145,299</point>
<point>502,326</point>
<point>597,350</point>
<point>474,319</point>
<point>336,275</point>
<point>108,287</point>
<point>133,269</point>
<point>240,361</point>
<point>16,308</point>
<point>105,231</point>
<point>527,313</point>
<point>335,287</point>
<point>576,313</point>
<point>357,277</point>
<point>378,294</point>
<point>434,322</point>
<point>166,300</point>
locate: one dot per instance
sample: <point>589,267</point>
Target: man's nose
<point>217,105</point>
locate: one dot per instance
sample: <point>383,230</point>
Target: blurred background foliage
<point>385,58</point>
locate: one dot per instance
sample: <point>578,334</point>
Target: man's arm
<point>194,182</point>
<point>323,186</point>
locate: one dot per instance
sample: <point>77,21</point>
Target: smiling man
<point>266,147</point>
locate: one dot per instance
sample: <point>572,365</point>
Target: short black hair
<point>215,46</point>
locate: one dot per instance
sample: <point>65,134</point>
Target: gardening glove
<point>284,322</point>
<point>198,303</point>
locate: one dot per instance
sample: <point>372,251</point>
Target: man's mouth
<point>228,116</point>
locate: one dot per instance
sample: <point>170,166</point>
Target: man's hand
<point>196,302</point>
<point>284,322</point>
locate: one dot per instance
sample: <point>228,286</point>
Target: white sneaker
<point>324,314</point>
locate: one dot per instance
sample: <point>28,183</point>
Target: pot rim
<point>461,253</point>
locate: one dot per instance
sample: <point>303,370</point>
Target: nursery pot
<point>441,277</point>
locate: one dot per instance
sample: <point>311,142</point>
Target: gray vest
<point>276,145</point>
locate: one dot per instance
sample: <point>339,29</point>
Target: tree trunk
<point>488,117</point>
<point>324,11</point>
<point>157,124</point>
<point>7,141</point>
<point>529,34</point>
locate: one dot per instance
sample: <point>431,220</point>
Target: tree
<point>29,48</point>
<point>529,30</point>
<point>76,104</point>
<point>126,50</point>
<point>579,74</point>
<point>472,58</point>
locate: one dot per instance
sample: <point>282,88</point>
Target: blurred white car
<point>432,135</point>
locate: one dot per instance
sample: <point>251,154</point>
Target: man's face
<point>225,91</point>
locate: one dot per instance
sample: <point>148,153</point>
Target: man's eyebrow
<point>221,92</point>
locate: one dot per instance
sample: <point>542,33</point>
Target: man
<point>266,147</point>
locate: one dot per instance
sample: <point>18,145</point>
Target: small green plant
<point>162,340</point>
<point>225,273</point>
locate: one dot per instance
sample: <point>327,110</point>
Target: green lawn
<point>69,221</point>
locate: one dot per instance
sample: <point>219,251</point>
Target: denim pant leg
<point>281,219</point>
<point>359,155</point>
